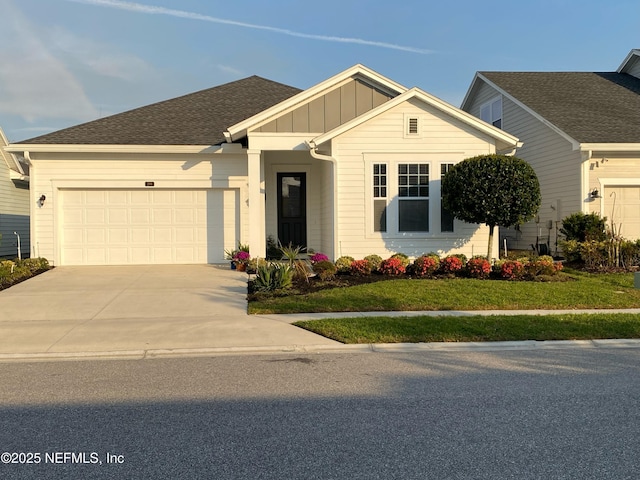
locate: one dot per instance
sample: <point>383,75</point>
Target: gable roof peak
<point>359,71</point>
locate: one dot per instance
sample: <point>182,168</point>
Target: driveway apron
<point>147,307</point>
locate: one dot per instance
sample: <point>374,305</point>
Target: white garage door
<point>127,227</point>
<point>622,206</point>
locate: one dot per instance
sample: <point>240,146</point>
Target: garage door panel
<point>118,216</point>
<point>96,236</point>
<point>102,227</point>
<point>117,197</point>
<point>96,216</point>
<point>94,197</point>
<point>118,235</point>
<point>622,208</point>
<point>161,216</point>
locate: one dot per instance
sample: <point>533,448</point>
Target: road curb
<point>317,349</point>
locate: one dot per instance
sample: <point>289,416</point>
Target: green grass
<point>582,291</point>
<point>476,328</point>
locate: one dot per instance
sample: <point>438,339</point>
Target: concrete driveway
<point>138,311</point>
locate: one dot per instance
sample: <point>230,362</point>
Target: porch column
<point>257,236</point>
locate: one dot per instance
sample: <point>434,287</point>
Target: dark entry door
<point>292,209</point>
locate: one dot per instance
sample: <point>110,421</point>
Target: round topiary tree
<point>492,189</point>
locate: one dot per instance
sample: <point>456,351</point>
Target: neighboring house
<point>580,132</point>
<point>14,203</point>
<point>351,166</point>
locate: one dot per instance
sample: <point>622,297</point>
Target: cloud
<point>154,10</point>
<point>229,70</point>
<point>35,84</point>
<point>98,58</point>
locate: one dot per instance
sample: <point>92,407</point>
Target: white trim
<point>138,184</point>
<point>430,100</point>
<point>610,147</point>
<point>618,181</point>
<point>357,71</point>
<point>152,149</point>
<point>279,141</point>
<point>633,53</point>
<point>392,159</point>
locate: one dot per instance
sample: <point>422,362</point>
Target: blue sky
<point>64,62</point>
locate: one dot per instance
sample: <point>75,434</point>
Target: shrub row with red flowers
<point>430,265</point>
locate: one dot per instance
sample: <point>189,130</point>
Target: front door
<point>292,209</point>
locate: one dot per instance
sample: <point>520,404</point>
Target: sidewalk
<point>156,311</point>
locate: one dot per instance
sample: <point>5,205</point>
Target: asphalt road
<point>554,414</point>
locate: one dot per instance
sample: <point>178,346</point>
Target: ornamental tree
<point>492,189</point>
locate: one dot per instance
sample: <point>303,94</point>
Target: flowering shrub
<point>241,256</point>
<point>318,257</point>
<point>392,266</point>
<point>451,264</point>
<point>374,261</point>
<point>478,267</point>
<point>403,258</point>
<point>360,268</point>
<point>426,265</point>
<point>512,270</point>
<point>325,269</point>
<point>343,264</point>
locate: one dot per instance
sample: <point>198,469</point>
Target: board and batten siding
<point>52,172</point>
<point>328,111</point>
<point>14,213</point>
<point>556,164</point>
<point>442,139</point>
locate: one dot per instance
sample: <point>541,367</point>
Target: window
<point>413,193</point>
<point>446,218</point>
<point>380,197</point>
<point>491,112</point>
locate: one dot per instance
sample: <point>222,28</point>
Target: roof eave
<point>609,147</point>
<point>633,53</point>
<point>107,148</point>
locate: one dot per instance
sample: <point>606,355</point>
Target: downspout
<point>313,151</point>
<point>584,187</point>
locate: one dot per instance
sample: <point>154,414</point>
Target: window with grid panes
<point>413,193</point>
<point>380,197</point>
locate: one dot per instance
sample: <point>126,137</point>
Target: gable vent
<point>413,126</point>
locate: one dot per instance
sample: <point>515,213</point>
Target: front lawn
<point>581,290</point>
<point>476,328</point>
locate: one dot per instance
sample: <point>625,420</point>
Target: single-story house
<point>350,166</point>
<point>580,132</point>
<point>14,203</point>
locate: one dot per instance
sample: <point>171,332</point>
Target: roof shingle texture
<point>198,118</point>
<point>591,107</point>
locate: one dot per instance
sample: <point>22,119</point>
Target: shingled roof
<point>198,118</point>
<point>590,107</point>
